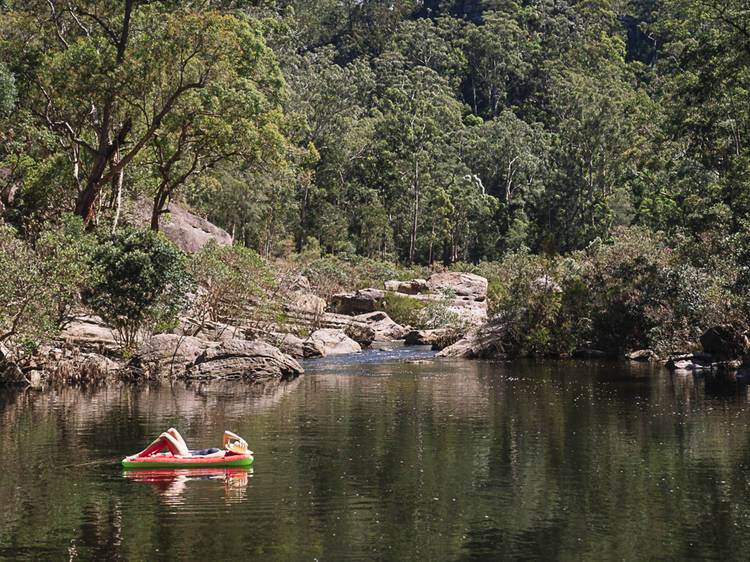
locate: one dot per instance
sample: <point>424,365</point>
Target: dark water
<point>377,457</point>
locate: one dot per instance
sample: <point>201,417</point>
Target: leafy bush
<point>40,284</point>
<point>422,315</point>
<point>233,282</point>
<point>541,298</point>
<point>403,310</point>
<point>329,275</point>
<point>626,293</point>
<point>144,285</point>
<point>642,295</point>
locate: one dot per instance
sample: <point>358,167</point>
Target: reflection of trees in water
<point>78,404</point>
<point>529,458</point>
<point>512,441</point>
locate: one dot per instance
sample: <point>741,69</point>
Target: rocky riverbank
<point>87,349</point>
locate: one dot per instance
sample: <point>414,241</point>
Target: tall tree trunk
<point>116,199</point>
<point>159,199</point>
<point>413,237</point>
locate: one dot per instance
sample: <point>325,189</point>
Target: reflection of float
<point>171,483</point>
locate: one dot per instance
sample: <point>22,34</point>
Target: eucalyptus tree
<point>509,157</point>
<point>335,101</point>
<point>706,101</point>
<point>105,77</point>
<point>499,53</point>
<point>419,115</point>
<point>434,43</point>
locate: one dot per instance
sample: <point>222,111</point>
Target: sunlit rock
<point>243,359</point>
<point>385,328</point>
<point>332,342</point>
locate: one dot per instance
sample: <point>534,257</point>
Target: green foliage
<point>388,132</point>
<point>642,297</point>
<point>40,283</point>
<point>144,284</point>
<point>8,92</point>
<point>234,283</point>
<point>542,299</point>
<point>629,293</point>
<point>332,274</point>
<point>403,310</point>
<point>421,315</point>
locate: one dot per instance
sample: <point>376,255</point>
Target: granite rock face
<point>243,359</point>
<point>358,302</point>
<point>189,232</point>
<point>169,354</point>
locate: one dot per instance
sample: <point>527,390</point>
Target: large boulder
<point>332,342</point>
<point>287,343</point>
<point>168,354</point>
<point>189,232</point>
<point>412,287</point>
<point>360,332</point>
<point>385,328</point>
<point>89,333</point>
<point>364,300</point>
<point>690,363</point>
<point>243,359</point>
<point>725,342</point>
<point>313,348</point>
<point>308,303</point>
<point>439,338</point>
<point>489,341</point>
<point>460,283</point>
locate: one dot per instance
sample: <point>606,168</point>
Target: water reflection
<point>389,460</point>
<point>172,484</point>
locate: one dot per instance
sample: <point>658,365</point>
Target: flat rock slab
<point>243,359</point>
<point>462,284</point>
<point>89,333</point>
<point>383,325</point>
<point>169,353</point>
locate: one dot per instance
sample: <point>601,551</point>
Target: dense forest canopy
<point>418,131</point>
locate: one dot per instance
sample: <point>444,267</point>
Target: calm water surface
<point>388,455</point>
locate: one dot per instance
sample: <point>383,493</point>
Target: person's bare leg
<point>155,446</point>
<point>176,434</point>
<point>176,447</point>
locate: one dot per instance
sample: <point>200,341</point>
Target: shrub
<point>643,296</point>
<point>40,283</point>
<point>144,285</point>
<point>329,275</point>
<point>421,315</point>
<point>234,283</point>
<point>541,299</point>
<point>403,310</point>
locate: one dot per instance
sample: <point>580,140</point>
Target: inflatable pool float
<point>235,454</point>
<point>168,460</point>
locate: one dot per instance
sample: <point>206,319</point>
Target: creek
<point>388,454</point>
